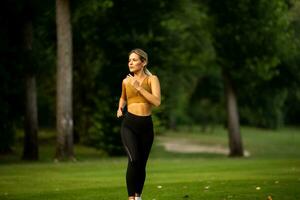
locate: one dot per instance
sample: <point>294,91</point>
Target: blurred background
<point>221,64</point>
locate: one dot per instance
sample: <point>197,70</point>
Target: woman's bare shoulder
<point>126,80</point>
<point>153,78</point>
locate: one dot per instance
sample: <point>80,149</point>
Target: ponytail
<point>147,71</point>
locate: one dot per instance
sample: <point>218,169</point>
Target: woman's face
<point>135,63</point>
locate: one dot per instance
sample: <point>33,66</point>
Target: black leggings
<point>137,137</point>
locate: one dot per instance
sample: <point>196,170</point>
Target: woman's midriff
<point>141,109</point>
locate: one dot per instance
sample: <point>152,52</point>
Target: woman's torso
<point>139,108</point>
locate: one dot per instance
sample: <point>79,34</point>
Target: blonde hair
<point>144,57</point>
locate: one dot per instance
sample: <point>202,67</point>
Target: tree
<point>30,149</point>
<point>64,118</point>
<point>248,37</point>
<point>233,122</point>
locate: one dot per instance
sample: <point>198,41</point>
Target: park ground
<point>186,164</point>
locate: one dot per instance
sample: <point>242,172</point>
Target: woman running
<point>140,91</point>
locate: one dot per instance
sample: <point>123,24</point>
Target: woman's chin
<point>132,70</point>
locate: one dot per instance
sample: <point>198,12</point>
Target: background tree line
<point>219,62</point>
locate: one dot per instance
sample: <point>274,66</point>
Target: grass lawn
<point>271,172</point>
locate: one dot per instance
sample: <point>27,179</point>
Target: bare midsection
<point>141,109</point>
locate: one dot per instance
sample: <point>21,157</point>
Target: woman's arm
<point>122,101</point>
<point>122,104</point>
<point>155,97</point>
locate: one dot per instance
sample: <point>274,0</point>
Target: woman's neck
<point>140,74</point>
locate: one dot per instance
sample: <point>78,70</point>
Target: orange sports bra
<point>131,95</point>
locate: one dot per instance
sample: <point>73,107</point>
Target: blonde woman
<point>140,92</point>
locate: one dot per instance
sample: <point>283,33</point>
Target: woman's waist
<point>140,109</point>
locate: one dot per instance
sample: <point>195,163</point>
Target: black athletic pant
<point>137,137</point>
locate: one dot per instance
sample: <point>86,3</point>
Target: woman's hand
<point>119,112</point>
<point>135,83</point>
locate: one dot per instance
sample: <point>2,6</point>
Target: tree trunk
<point>64,115</point>
<point>235,141</point>
<point>30,148</point>
<point>30,151</point>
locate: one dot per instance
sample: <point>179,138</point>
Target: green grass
<point>273,169</point>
